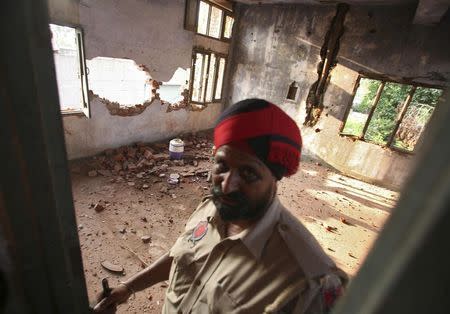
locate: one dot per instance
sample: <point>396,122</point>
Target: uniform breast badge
<point>199,231</point>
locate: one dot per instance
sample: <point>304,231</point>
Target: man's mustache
<point>235,196</point>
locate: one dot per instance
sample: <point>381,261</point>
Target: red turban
<point>264,130</point>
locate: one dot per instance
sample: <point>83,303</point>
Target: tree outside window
<point>390,114</point>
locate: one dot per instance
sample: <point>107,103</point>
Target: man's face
<point>243,187</point>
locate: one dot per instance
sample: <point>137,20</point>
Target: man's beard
<point>241,208</point>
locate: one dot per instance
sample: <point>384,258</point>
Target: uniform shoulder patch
<point>199,231</point>
<point>332,289</point>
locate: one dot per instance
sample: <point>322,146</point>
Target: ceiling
<point>359,2</point>
<point>428,12</point>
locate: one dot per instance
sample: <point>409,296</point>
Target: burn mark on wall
<point>328,53</point>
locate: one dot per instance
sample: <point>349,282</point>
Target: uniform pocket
<point>182,272</point>
<point>220,301</point>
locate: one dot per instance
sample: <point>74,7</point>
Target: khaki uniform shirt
<point>275,266</point>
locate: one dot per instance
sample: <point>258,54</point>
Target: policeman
<point>242,251</point>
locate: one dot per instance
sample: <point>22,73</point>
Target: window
<point>292,91</point>
<point>213,21</point>
<point>208,70</point>
<point>70,68</point>
<point>389,113</point>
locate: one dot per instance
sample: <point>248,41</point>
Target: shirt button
<point>197,282</point>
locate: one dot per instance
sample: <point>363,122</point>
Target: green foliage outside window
<point>383,121</point>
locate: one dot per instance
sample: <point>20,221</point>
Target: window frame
<point>83,72</point>
<point>225,12</point>
<point>222,34</point>
<point>218,56</point>
<point>399,117</point>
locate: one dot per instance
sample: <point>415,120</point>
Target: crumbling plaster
<point>151,33</point>
<point>275,45</point>
<point>86,137</point>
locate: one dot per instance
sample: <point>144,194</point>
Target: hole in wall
<point>119,81</point>
<point>292,91</point>
<point>172,90</point>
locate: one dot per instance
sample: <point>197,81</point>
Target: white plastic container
<point>176,148</point>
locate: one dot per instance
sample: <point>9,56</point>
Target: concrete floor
<point>344,214</point>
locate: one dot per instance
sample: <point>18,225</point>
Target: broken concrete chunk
<point>140,175</point>
<point>178,162</point>
<point>331,228</point>
<point>112,267</point>
<point>119,157</point>
<point>202,172</point>
<point>131,152</point>
<point>148,154</point>
<point>117,166</point>
<point>98,208</point>
<point>160,157</point>
<point>188,174</point>
<point>146,238</point>
<point>164,189</point>
<point>164,167</point>
<point>104,172</point>
<point>145,186</point>
<point>92,173</point>
<point>131,183</point>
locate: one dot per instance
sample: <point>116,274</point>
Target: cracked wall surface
<point>276,45</point>
<point>151,34</point>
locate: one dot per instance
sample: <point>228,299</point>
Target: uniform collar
<point>255,237</point>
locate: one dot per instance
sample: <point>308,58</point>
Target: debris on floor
<point>132,203</point>
<point>112,267</point>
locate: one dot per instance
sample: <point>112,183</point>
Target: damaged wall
<point>275,45</point>
<point>150,33</point>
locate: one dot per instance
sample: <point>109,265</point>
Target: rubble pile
<point>142,164</point>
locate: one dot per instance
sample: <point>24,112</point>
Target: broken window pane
<point>229,21</point>
<point>211,77</point>
<point>384,118</point>
<point>362,102</point>
<point>215,22</point>
<point>171,91</point>
<point>220,75</point>
<point>203,15</point>
<point>416,117</point>
<point>119,80</point>
<point>67,67</point>
<point>196,86</point>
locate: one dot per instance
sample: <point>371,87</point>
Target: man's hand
<point>107,305</point>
